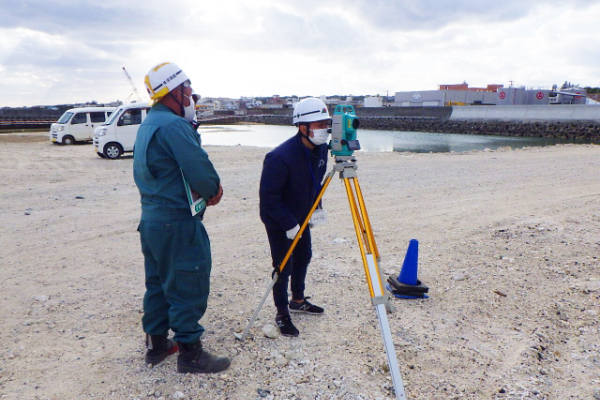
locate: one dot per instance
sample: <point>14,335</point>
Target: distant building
<point>465,86</point>
<point>594,97</point>
<point>446,97</point>
<point>332,101</point>
<point>250,102</point>
<point>275,102</point>
<point>335,100</point>
<point>376,101</point>
<point>462,94</point>
<point>291,102</point>
<point>570,95</point>
<point>521,96</point>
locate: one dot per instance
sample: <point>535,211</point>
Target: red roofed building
<point>465,86</point>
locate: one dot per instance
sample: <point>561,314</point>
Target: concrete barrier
<point>528,113</point>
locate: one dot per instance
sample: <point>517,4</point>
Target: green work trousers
<point>177,263</point>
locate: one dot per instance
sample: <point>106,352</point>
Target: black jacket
<point>290,183</point>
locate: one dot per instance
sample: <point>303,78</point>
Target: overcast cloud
<point>65,51</point>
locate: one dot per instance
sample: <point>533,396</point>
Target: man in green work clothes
<point>175,244</point>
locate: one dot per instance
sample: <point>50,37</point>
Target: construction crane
<point>135,92</point>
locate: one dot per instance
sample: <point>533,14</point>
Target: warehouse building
<point>521,96</point>
<point>449,95</point>
<point>462,95</point>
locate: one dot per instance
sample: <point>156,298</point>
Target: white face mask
<point>320,136</point>
<point>190,111</point>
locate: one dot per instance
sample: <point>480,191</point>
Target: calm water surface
<point>370,140</point>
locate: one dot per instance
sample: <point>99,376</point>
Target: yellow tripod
<point>346,166</point>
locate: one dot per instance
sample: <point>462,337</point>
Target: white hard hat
<point>310,110</point>
<point>196,97</point>
<point>163,78</point>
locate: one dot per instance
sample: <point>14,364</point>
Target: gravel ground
<point>508,243</point>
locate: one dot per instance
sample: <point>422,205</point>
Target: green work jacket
<point>165,147</point>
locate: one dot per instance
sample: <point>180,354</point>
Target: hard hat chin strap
<point>307,125</point>
<point>181,107</point>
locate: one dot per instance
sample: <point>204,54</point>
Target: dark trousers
<point>295,268</point>
<point>177,265</point>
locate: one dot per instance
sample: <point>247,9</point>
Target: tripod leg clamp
<point>379,300</point>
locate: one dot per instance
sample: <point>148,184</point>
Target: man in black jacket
<point>290,183</point>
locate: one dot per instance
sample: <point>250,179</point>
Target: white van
<point>117,135</point>
<point>77,124</point>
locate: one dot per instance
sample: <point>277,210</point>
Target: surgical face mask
<point>190,111</point>
<point>320,136</point>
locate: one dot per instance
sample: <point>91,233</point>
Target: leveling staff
<point>175,245</point>
<point>289,185</point>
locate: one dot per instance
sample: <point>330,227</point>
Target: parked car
<point>77,124</point>
<point>117,135</point>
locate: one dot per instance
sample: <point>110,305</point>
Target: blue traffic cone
<point>407,285</point>
<point>408,274</point>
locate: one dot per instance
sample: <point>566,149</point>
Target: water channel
<point>370,140</point>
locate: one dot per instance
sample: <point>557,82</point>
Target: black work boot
<point>192,359</point>
<point>158,348</point>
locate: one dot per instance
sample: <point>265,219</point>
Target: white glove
<point>291,234</point>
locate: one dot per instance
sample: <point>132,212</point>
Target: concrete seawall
<point>529,113</point>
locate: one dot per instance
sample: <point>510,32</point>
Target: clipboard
<point>197,203</point>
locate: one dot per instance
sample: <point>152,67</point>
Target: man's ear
<point>303,129</point>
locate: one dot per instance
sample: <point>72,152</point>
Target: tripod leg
<point>359,238</point>
<point>287,256</point>
<point>378,297</point>
<point>370,237</point>
<point>367,246</point>
<point>361,202</point>
<point>391,352</point>
<point>242,337</point>
<point>360,222</point>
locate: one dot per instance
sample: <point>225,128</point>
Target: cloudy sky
<point>66,51</point>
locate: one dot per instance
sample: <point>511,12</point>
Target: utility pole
<point>135,92</point>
